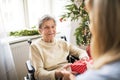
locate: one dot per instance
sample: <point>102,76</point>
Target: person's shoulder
<point>88,75</point>
<point>61,41</point>
<point>36,42</point>
<point>113,67</point>
<point>92,74</point>
<point>107,72</point>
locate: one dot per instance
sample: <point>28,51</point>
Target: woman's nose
<point>51,29</point>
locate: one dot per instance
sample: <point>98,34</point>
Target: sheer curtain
<point>36,9</point>
<point>11,16</point>
<point>7,68</point>
<point>2,30</point>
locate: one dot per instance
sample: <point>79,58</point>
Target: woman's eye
<point>53,26</point>
<point>46,27</point>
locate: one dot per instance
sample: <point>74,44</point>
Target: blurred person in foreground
<point>48,54</point>
<point>105,42</point>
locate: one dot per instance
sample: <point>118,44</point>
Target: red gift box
<point>79,66</point>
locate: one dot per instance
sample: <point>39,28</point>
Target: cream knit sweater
<point>48,57</point>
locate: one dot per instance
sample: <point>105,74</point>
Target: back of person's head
<point>105,29</point>
<point>44,19</point>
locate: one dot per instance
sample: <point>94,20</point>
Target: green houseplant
<point>25,32</point>
<point>76,12</point>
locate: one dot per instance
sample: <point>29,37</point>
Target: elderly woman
<point>105,42</point>
<point>48,54</point>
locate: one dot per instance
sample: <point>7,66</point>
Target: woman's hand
<point>67,75</point>
<point>58,74</point>
<point>89,64</point>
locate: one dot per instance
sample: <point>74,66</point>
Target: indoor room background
<point>25,14</point>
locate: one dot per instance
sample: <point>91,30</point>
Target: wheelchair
<point>31,70</point>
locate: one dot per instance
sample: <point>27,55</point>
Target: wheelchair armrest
<point>72,59</point>
<point>30,68</point>
<point>64,37</point>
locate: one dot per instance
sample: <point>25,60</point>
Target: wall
<point>73,26</point>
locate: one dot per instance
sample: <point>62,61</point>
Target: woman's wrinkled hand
<point>67,75</point>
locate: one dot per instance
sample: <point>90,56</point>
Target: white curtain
<point>7,67</point>
<point>2,30</point>
<point>36,9</point>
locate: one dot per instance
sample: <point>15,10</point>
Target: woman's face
<point>48,30</point>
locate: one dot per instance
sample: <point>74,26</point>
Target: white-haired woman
<point>48,54</point>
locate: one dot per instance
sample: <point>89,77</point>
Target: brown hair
<point>88,5</point>
<point>105,45</point>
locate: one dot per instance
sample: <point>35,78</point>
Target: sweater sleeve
<point>37,62</point>
<point>76,51</point>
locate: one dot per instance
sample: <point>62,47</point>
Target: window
<point>12,14</point>
<point>22,14</point>
<point>36,9</point>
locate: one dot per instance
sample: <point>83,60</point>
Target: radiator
<point>20,52</point>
